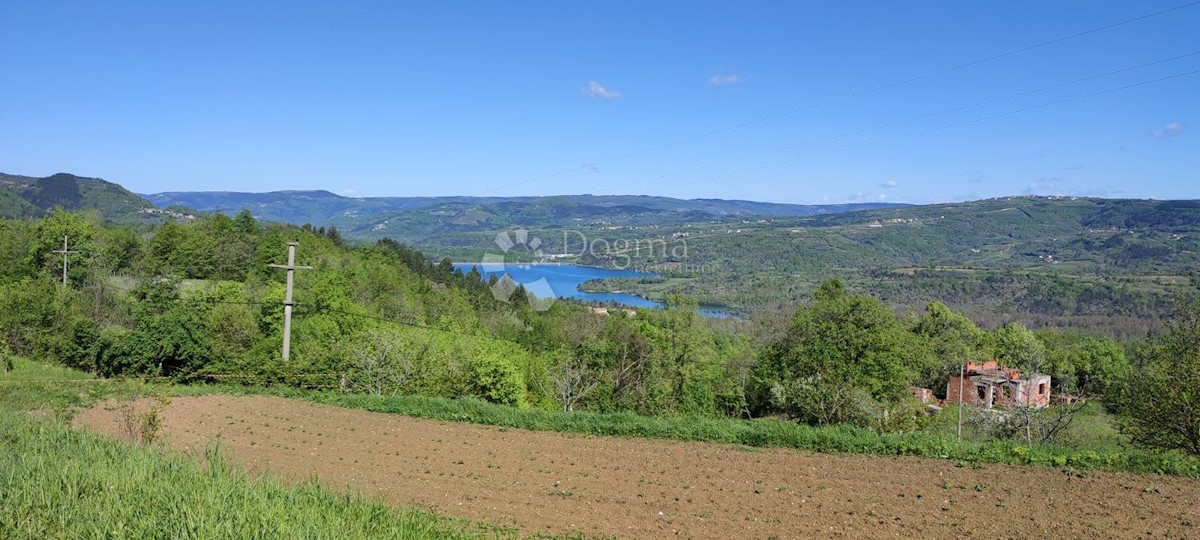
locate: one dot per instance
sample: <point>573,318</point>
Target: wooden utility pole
<point>65,252</point>
<point>287,299</point>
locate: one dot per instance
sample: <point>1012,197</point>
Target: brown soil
<point>642,488</point>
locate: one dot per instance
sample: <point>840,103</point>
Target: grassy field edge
<point>61,482</point>
<point>57,481</point>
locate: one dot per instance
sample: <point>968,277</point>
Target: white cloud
<point>349,192</point>
<point>1169,131</point>
<point>856,196</point>
<point>717,80</point>
<point>1046,186</point>
<point>889,184</point>
<point>596,90</point>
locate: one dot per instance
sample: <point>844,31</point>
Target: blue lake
<point>563,281</point>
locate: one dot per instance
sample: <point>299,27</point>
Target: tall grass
<point>55,390</point>
<point>60,482</point>
<point>759,433</point>
<point>57,482</point>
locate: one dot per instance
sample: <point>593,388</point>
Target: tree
<point>573,381</point>
<point>576,375</point>
<point>245,224</point>
<point>1018,347</point>
<point>333,235</point>
<point>382,362</point>
<point>955,341</point>
<point>15,241</point>
<point>48,236</point>
<point>496,379</point>
<point>818,400</point>
<point>170,338</point>
<point>1087,365</point>
<point>1160,399</point>
<point>628,355</point>
<point>838,349</point>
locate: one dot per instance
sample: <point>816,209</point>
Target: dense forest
<point>198,302</point>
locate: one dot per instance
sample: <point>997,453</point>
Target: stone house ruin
<point>991,384</point>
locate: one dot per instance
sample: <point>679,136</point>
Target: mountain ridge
<point>29,196</point>
<point>321,206</point>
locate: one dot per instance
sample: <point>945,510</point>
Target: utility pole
<point>287,299</point>
<point>64,251</point>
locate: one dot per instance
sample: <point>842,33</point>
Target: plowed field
<point>641,488</point>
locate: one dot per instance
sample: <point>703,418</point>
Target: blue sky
<point>455,98</point>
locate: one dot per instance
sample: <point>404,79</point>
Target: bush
<point>819,401</point>
<point>1160,398</point>
<point>497,380</point>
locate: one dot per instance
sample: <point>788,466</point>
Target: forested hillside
<point>1057,261</point>
<point>24,196</point>
<point>417,218</point>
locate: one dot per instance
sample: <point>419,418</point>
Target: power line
<point>845,97</point>
<point>900,122</point>
<point>931,130</point>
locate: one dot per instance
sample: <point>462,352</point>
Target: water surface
<point>563,281</point>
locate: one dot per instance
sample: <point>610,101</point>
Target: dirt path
<point>641,488</point>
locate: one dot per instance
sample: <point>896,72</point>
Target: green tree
<point>1018,347</point>
<point>497,380</point>
<point>170,338</point>
<point>15,243</point>
<point>955,341</point>
<point>685,346</point>
<point>1160,400</point>
<point>838,350</point>
<point>1088,365</point>
<point>48,236</point>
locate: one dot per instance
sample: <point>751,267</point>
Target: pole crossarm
<point>65,251</point>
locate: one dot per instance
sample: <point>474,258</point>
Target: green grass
<point>756,433</point>
<point>56,391</point>
<point>61,482</point>
<point>1093,429</point>
<point>58,482</point>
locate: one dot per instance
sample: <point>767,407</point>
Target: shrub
<point>820,401</point>
<point>1161,396</point>
<point>497,380</point>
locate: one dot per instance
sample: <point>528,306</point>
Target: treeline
<point>193,300</point>
<point>199,301</point>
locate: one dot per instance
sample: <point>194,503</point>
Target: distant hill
<point>373,217</point>
<point>26,196</point>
